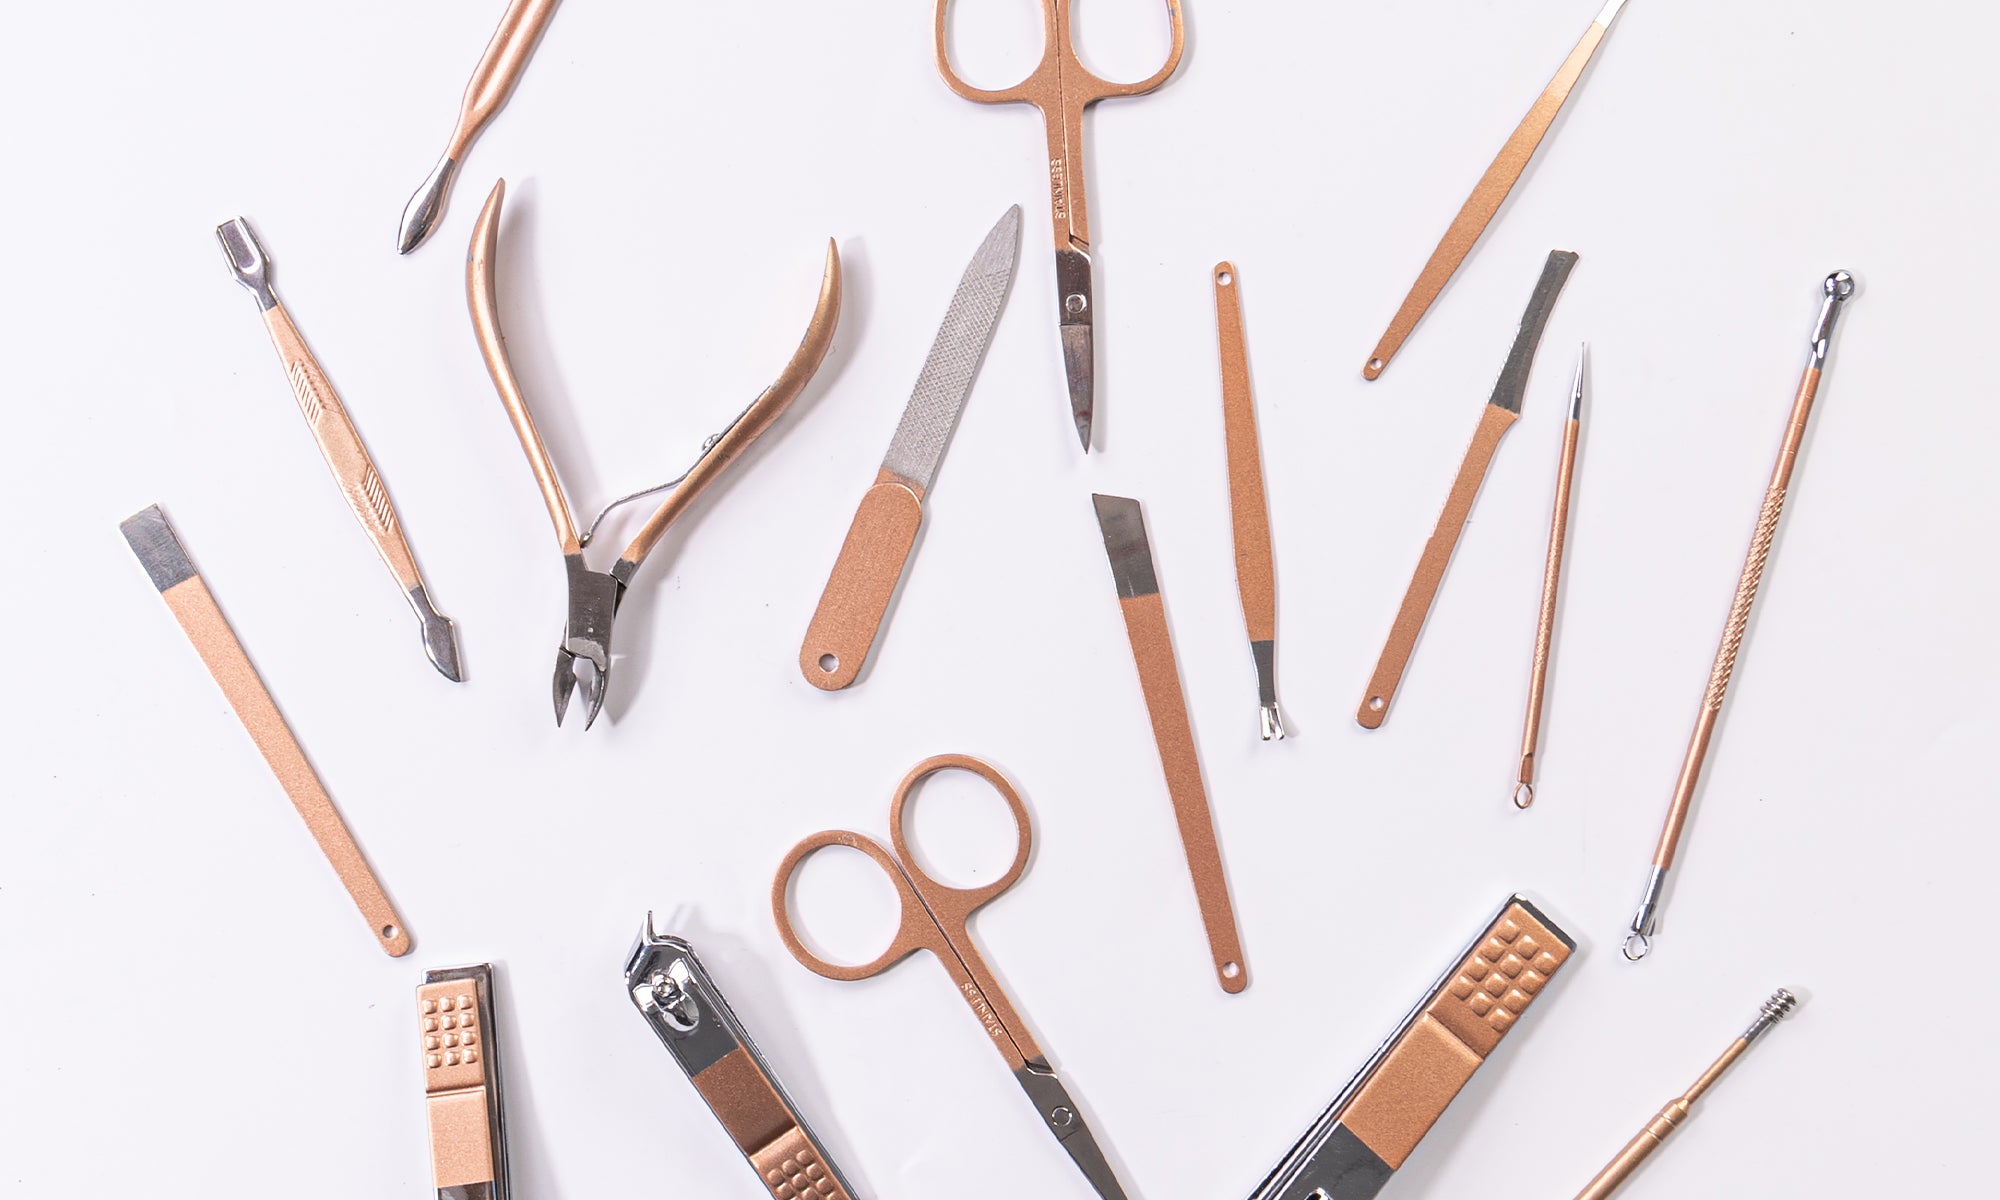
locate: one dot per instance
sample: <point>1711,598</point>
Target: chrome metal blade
<point>946,380</point>
<point>1065,1121</point>
<point>1513,381</point>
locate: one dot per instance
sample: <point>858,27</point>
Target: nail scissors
<point>1061,87</point>
<point>933,917</point>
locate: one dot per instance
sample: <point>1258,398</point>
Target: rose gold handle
<point>798,372</point>
<point>1545,627</point>
<point>1250,520</point>
<point>499,69</point>
<point>1487,196</point>
<point>1431,567</point>
<point>871,563</point>
<point>340,443</point>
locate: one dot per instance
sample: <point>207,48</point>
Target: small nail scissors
<point>1062,88</point>
<point>933,917</point>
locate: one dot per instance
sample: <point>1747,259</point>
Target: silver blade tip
<point>420,215</point>
<point>247,259</point>
<point>159,551</point>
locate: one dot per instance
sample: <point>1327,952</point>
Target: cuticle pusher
<point>1249,511</point>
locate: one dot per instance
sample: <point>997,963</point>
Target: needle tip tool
<point>421,213</point>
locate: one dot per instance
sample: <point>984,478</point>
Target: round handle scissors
<point>933,917</point>
<point>1062,87</point>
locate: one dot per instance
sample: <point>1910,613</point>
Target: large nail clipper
<point>1370,1130</point>
<point>594,596</point>
<point>492,83</point>
<point>1835,292</point>
<point>464,1100</point>
<point>340,443</point>
<point>884,533</point>
<point>682,1004</point>
<point>1502,410</point>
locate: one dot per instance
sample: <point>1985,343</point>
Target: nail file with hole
<point>877,550</point>
<point>152,539</point>
<point>1373,1126</point>
<point>685,1008</point>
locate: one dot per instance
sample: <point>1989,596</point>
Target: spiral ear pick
<point>1837,289</point>
<point>1655,1134</point>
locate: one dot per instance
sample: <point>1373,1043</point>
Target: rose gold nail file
<point>180,585</point>
<point>1124,529</point>
<point>1489,194</point>
<point>1501,412</point>
<point>877,550</point>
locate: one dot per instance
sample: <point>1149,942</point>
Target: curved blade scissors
<point>933,917</point>
<point>1061,87</point>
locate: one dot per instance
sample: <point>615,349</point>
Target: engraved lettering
<point>1059,187</point>
<point>983,1011</point>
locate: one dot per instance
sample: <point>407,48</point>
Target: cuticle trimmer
<point>1835,291</point>
<point>340,443</point>
<point>880,540</point>
<point>1249,512</point>
<point>493,81</point>
<point>1499,415</point>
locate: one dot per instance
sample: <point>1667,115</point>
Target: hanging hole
<point>389,933</point>
<point>1377,704</point>
<point>1231,970</point>
<point>829,663</point>
<point>1225,279</point>
<point>856,907</point>
<point>1376,364</point>
<point>966,826</point>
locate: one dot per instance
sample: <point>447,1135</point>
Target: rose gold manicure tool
<point>1545,629</point>
<point>685,1008</point>
<point>188,598</point>
<point>340,443</point>
<point>1502,410</point>
<point>1138,584</point>
<point>1835,292</point>
<point>884,533</point>
<point>1062,88</point>
<point>1655,1134</point>
<point>594,596</point>
<point>1370,1130</point>
<point>1490,192</point>
<point>933,917</point>
<point>464,1100</point>
<point>1249,516</point>
<point>492,83</point>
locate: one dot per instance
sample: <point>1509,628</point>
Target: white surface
<point>191,1007</point>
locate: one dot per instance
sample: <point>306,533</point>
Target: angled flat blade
<point>946,380</point>
<point>1513,382</point>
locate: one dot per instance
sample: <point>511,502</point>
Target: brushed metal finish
<point>167,565</point>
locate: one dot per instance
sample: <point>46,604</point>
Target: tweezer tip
<point>1273,723</point>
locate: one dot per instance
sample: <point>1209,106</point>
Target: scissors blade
<point>1062,1117</point>
<point>1076,304</point>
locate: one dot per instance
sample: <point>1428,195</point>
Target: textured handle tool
<point>863,582</point>
<point>1430,571</point>
<point>153,541</point>
<point>1488,195</point>
<point>1250,519</point>
<point>1545,625</point>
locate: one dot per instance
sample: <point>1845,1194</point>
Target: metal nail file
<point>884,532</point>
<point>686,1009</point>
<point>464,1101</point>
<point>1131,554</point>
<point>1835,291</point>
<point>188,598</point>
<point>1490,193</point>
<point>1502,410</point>
<point>1249,514</point>
<point>1370,1130</point>
<point>493,80</point>
<point>340,444</point>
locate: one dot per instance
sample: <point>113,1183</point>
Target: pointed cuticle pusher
<point>1249,513</point>
<point>880,540</point>
<point>1502,410</point>
<point>1545,628</point>
<point>493,81</point>
<point>340,444</point>
<point>1490,193</point>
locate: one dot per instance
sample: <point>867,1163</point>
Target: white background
<point>190,1006</point>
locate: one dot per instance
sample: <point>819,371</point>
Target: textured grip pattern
<point>1746,595</point>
